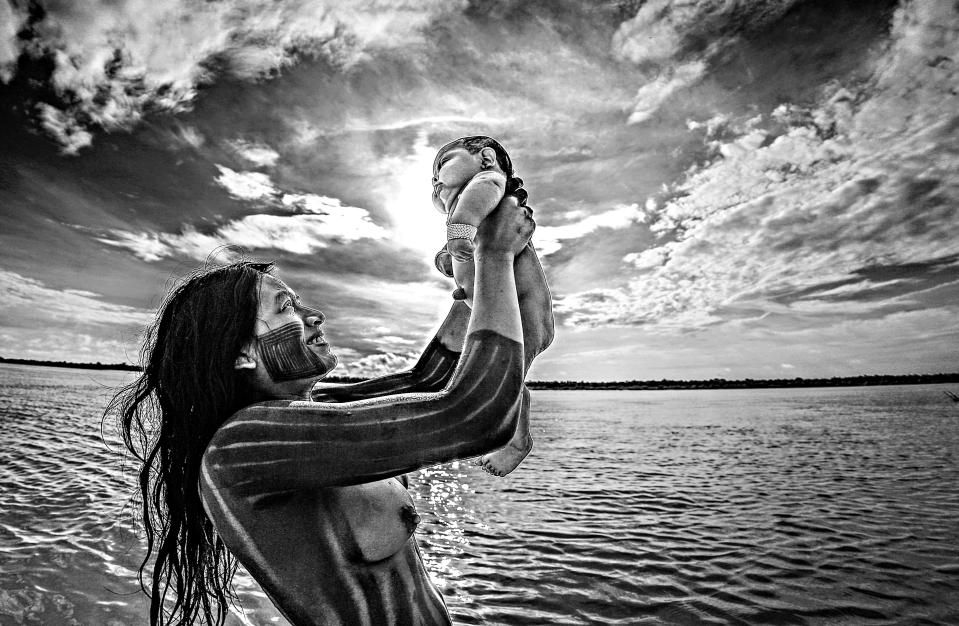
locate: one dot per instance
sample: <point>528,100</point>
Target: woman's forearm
<point>432,371</point>
<point>495,306</point>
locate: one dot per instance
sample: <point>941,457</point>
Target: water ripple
<point>809,506</point>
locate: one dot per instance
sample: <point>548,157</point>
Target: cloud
<point>384,308</point>
<point>917,77</point>
<point>353,125</point>
<point>919,341</point>
<point>377,365</point>
<point>857,288</point>
<point>75,325</point>
<point>29,299</point>
<point>113,61</point>
<point>10,21</point>
<point>301,234</point>
<point>372,315</point>
<point>315,222</point>
<point>400,184</point>
<point>257,186</point>
<point>295,234</point>
<point>648,259</point>
<point>753,222</point>
<point>246,185</point>
<point>806,196</point>
<point>190,136</point>
<point>146,246</point>
<point>667,38</point>
<point>257,154</point>
<point>548,238</point>
<point>663,30</point>
<point>83,347</point>
<point>71,135</point>
<point>653,94</point>
<point>384,326</point>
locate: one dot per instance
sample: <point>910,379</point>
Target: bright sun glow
<point>415,223</point>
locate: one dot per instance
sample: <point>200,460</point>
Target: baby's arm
<point>477,200</point>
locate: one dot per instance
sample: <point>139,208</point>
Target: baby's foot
<point>503,461</point>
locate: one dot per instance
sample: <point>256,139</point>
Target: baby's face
<point>451,170</point>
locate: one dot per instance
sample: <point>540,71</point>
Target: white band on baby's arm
<point>460,231</point>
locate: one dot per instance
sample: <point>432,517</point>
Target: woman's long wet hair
<point>168,415</point>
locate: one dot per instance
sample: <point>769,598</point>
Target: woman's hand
<point>506,230</point>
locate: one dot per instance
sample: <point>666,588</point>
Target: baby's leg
<point>503,461</point>
<point>535,302</point>
<point>536,314</point>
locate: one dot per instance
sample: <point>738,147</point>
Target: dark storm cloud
<point>107,64</point>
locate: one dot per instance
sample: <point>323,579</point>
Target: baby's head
<point>475,145</point>
<point>483,153</point>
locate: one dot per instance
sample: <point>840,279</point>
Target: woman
<point>239,463</point>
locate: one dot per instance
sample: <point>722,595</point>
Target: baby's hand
<point>444,262</point>
<point>461,249</point>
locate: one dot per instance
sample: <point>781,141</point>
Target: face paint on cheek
<point>286,357</point>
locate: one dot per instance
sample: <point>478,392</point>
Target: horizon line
<point>851,380</point>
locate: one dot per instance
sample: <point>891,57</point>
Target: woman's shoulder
<point>247,417</point>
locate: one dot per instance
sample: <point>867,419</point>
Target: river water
<point>772,506</point>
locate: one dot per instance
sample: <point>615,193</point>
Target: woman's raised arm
<point>283,446</point>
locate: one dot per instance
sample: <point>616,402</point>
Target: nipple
<point>409,516</point>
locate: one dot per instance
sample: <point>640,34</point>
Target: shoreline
<point>628,385</point>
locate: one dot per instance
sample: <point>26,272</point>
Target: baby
<point>470,177</point>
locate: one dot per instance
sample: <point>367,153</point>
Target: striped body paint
<point>286,357</point>
<point>303,493</point>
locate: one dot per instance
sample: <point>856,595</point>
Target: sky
<point>722,188</point>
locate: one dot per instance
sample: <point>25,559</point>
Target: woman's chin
<point>326,356</point>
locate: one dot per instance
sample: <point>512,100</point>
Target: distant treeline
<point>713,383</point>
<point>750,383</point>
<point>82,366</point>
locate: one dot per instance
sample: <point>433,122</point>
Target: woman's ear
<point>487,158</point>
<point>244,362</point>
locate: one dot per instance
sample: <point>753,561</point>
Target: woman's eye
<point>288,304</point>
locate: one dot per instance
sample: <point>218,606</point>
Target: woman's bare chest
<point>378,518</point>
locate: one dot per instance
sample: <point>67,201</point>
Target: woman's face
<point>288,345</point>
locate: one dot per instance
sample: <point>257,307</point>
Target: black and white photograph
<point>491,312</point>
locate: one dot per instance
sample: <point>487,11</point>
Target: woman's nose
<point>314,317</point>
